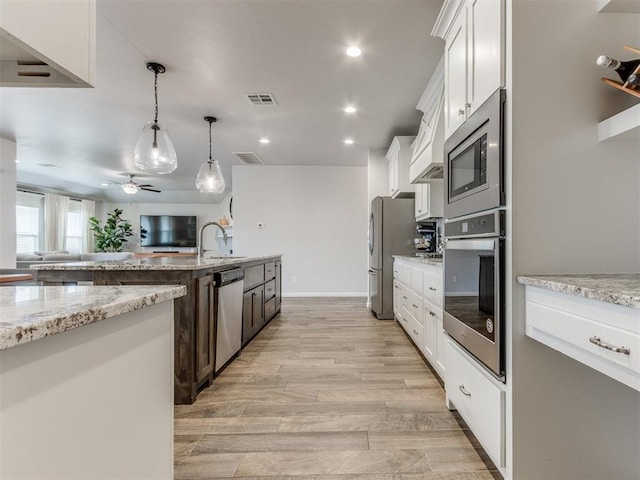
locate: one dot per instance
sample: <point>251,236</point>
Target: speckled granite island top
<point>436,261</point>
<point>623,289</point>
<point>155,263</point>
<point>31,313</point>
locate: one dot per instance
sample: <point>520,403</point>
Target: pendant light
<point>210,179</point>
<point>154,150</point>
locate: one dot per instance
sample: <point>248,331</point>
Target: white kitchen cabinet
<point>429,200</point>
<point>479,399</point>
<point>427,150</point>
<point>474,32</point>
<point>399,158</point>
<point>603,336</point>
<point>60,34</point>
<point>418,289</point>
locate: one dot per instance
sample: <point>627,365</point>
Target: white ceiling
<point>216,51</point>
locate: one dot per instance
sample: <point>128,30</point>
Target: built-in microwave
<point>474,172</point>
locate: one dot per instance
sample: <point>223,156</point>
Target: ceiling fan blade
<point>148,189</point>
<point>145,185</point>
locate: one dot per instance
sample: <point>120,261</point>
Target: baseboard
<point>324,294</point>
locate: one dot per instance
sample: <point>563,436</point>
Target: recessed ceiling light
<point>354,51</point>
<point>104,184</point>
<point>348,141</point>
<point>17,161</point>
<point>264,140</point>
<point>350,109</point>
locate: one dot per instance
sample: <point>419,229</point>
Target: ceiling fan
<point>131,188</point>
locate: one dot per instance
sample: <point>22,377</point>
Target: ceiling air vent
<point>261,99</point>
<point>249,158</point>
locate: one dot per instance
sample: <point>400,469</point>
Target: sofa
<point>25,260</point>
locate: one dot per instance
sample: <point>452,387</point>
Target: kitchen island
<point>195,313</point>
<point>86,382</point>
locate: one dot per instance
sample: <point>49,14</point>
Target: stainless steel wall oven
<point>474,296</point>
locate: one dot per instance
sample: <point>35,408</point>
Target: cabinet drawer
<point>253,276</point>
<point>478,400</point>
<point>415,307</point>
<point>402,272</point>
<point>404,319</point>
<point>416,279</point>
<point>416,333</point>
<point>432,287</point>
<point>270,309</point>
<point>575,326</point>
<point>269,270</point>
<point>270,289</point>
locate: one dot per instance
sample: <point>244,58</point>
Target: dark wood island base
<point>195,315</point>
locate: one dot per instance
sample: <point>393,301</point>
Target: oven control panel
<point>483,225</point>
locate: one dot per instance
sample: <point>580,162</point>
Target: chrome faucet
<point>201,249</point>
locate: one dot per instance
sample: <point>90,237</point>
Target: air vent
<point>249,158</point>
<point>261,99</point>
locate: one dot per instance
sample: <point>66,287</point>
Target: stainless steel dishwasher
<point>229,321</point>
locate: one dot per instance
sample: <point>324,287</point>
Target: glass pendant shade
<point>154,150</point>
<point>130,188</point>
<point>210,179</point>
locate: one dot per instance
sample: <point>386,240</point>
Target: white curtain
<point>55,221</point>
<point>88,209</point>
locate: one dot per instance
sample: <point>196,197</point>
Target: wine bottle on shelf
<point>623,69</point>
<point>634,80</point>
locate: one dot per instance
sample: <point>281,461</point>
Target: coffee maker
<point>427,239</point>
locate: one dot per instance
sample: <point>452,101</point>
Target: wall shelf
<point>618,6</point>
<point>623,127</point>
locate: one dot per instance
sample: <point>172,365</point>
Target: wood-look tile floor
<point>326,392</point>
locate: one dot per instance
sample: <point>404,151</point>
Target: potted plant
<point>113,236</point>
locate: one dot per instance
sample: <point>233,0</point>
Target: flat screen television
<point>167,231</point>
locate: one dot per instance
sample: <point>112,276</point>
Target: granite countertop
<point>436,261</point>
<point>31,313</point>
<point>155,263</point>
<point>619,289</point>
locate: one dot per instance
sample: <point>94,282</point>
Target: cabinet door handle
<point>419,210</point>
<point>415,332</point>
<point>432,289</point>
<point>467,106</point>
<point>396,286</point>
<point>464,391</point>
<point>415,306</point>
<point>597,341</point>
<point>405,319</point>
<point>461,112</point>
<point>431,313</point>
<point>405,297</point>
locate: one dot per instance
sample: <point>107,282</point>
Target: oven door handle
<point>470,244</point>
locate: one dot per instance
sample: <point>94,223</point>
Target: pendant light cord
<point>155,88</point>
<point>210,159</point>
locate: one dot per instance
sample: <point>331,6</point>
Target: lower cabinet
<point>261,299</point>
<point>205,351</point>
<point>417,306</point>
<point>479,399</point>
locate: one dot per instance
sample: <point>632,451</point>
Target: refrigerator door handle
<point>371,272</point>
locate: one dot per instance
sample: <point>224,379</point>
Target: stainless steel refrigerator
<point>392,228</point>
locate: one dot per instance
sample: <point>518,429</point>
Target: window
<point>29,219</point>
<point>75,227</point>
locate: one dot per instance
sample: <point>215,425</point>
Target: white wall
<point>204,213</point>
<point>575,209</point>
<point>315,216</point>
<point>377,175</point>
<point>8,203</point>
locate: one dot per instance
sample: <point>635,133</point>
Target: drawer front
<point>397,288</point>
<point>415,307</point>
<point>402,271</point>
<point>404,319</point>
<point>416,279</point>
<point>270,309</point>
<point>253,276</point>
<point>416,333</point>
<point>583,329</point>
<point>431,315</point>
<point>432,287</point>
<point>270,289</point>
<point>269,270</point>
<point>403,297</point>
<point>478,400</point>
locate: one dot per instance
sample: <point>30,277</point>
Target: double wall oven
<point>474,230</point>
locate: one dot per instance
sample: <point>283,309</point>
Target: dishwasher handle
<point>228,276</point>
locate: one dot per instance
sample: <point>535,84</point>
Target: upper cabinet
<point>399,158</point>
<point>47,43</point>
<point>474,32</point>
<point>427,149</point>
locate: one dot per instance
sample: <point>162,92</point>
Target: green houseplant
<point>113,236</point>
